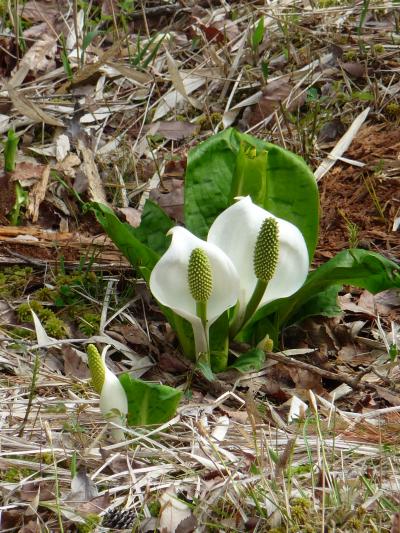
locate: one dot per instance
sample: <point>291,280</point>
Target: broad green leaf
<point>324,303</point>
<point>154,225</point>
<point>361,268</point>
<point>149,403</point>
<point>250,361</point>
<point>292,194</point>
<point>210,168</point>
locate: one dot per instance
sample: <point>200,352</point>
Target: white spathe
<point>235,232</point>
<point>170,285</point>
<point>113,402</point>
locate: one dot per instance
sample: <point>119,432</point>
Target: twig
<point>157,11</point>
<point>354,383</point>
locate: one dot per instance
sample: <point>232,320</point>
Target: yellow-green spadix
<point>113,400</point>
<point>236,231</point>
<point>193,272</point>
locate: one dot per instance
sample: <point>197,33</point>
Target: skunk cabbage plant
<point>240,268</point>
<point>113,400</point>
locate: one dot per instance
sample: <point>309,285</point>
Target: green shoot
<point>10,150</point>
<point>20,201</point>
<point>65,60</point>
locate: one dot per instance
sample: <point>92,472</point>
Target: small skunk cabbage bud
<point>266,251</point>
<point>113,400</point>
<point>200,275</point>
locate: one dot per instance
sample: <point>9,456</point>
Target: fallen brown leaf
<point>174,130</point>
<point>29,108</point>
<point>30,490</point>
<point>74,364</point>
<point>356,70</point>
<point>37,194</point>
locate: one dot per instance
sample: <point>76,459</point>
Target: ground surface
<point>88,93</point>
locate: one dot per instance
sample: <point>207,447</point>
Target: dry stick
<point>352,382</point>
<point>171,9</point>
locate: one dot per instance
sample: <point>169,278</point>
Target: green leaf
<point>292,194</point>
<point>324,303</point>
<point>250,361</point>
<point>361,268</point>
<point>258,34</point>
<point>149,403</point>
<point>88,38</point>
<point>209,173</point>
<point>124,237</point>
<point>291,191</point>
<point>153,229</point>
<point>143,247</point>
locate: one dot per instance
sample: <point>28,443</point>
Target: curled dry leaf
<point>29,108</point>
<point>30,491</point>
<point>62,147</point>
<point>132,215</point>
<point>28,172</point>
<point>74,365</point>
<point>96,189</point>
<point>37,194</point>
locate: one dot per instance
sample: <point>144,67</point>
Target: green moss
<point>21,333</point>
<point>55,327</point>
<point>24,311</point>
<point>300,510</point>
<point>207,121</point>
<point>51,323</point>
<point>13,281</point>
<point>15,474</point>
<point>378,48</point>
<point>91,523</point>
<point>89,323</point>
<point>350,55</point>
<point>45,294</point>
<point>154,508</point>
<point>392,110</point>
